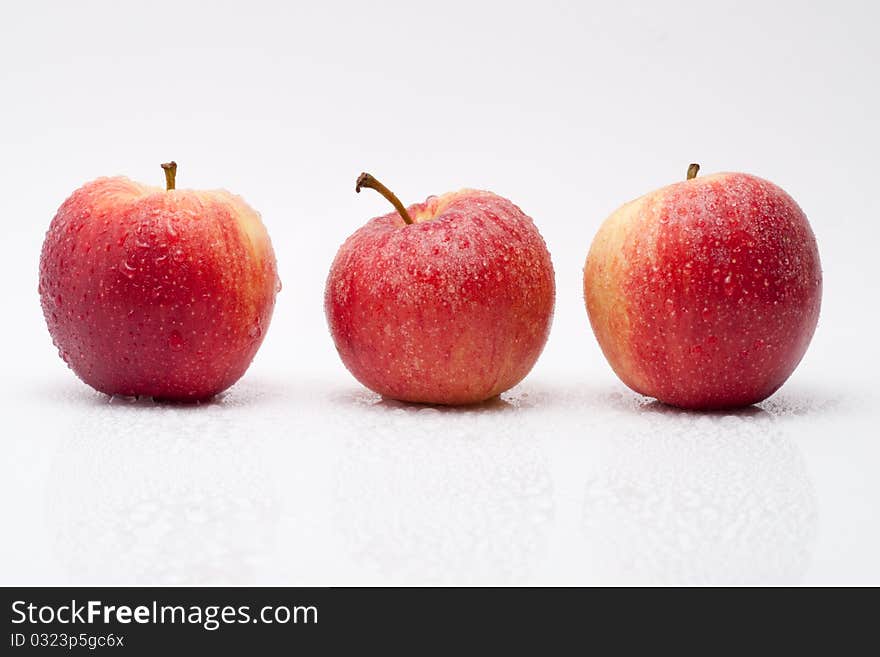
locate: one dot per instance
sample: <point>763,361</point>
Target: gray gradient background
<point>297,475</point>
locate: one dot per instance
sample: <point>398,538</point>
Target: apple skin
<point>705,294</point>
<point>157,293</point>
<point>454,308</point>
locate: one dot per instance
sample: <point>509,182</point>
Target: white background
<point>298,475</point>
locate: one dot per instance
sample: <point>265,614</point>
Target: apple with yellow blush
<point>157,292</point>
<point>705,294</point>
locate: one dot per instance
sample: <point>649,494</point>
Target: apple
<point>445,302</point>
<point>705,294</point>
<point>157,292</point>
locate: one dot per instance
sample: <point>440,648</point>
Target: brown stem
<point>170,173</point>
<point>366,180</point>
<point>693,170</point>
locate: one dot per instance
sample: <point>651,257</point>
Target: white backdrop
<point>298,475</point>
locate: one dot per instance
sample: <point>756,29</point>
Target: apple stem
<point>170,173</point>
<point>366,180</point>
<point>693,170</point>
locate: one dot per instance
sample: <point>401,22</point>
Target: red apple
<point>166,293</point>
<point>446,302</point>
<point>705,294</point>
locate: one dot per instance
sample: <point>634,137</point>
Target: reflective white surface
<point>323,483</point>
<point>299,476</point>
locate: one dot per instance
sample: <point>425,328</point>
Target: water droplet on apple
<point>255,331</point>
<point>128,269</point>
<point>175,340</point>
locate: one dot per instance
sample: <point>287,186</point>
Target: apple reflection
<point>150,494</point>
<point>700,499</point>
<point>441,495</point>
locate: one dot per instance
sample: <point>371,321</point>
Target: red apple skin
<point>158,293</point>
<point>452,309</point>
<point>705,294</point>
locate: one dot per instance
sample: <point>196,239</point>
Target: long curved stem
<point>366,180</point>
